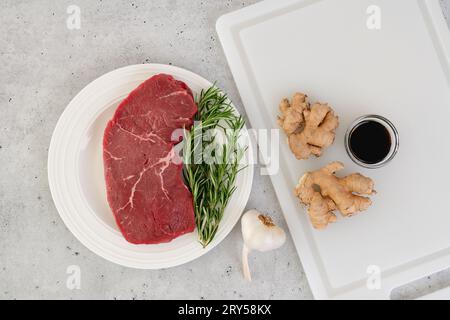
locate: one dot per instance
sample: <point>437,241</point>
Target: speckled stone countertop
<point>43,65</point>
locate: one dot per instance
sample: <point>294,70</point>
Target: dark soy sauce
<point>370,142</point>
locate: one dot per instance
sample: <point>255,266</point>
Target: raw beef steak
<point>144,182</point>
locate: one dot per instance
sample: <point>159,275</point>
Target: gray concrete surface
<point>43,65</point>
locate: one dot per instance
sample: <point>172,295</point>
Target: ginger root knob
<point>324,193</point>
<point>310,129</point>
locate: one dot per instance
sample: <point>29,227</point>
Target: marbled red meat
<point>144,183</point>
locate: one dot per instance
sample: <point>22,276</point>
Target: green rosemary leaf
<point>212,184</point>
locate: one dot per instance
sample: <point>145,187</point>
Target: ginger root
<point>310,129</point>
<point>323,192</point>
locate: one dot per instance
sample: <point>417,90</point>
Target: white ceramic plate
<point>75,173</point>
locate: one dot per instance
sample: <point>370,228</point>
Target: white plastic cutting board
<point>401,71</point>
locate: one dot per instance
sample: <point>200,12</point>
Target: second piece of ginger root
<point>323,193</point>
<point>310,129</point>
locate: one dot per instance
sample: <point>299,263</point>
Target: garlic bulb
<point>259,233</point>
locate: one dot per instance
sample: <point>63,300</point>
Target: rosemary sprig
<point>211,167</point>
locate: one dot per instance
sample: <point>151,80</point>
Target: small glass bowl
<point>391,130</point>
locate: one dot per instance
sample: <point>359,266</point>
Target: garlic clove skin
<point>266,240</point>
<point>259,233</point>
